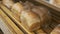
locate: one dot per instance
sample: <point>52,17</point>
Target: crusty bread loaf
<point>8,3</point>
<point>30,19</point>
<point>56,30</point>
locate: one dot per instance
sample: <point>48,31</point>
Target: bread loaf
<point>30,19</point>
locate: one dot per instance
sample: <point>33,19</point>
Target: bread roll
<point>56,30</point>
<point>30,19</point>
<point>8,3</point>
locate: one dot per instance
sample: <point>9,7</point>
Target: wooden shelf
<point>10,26</point>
